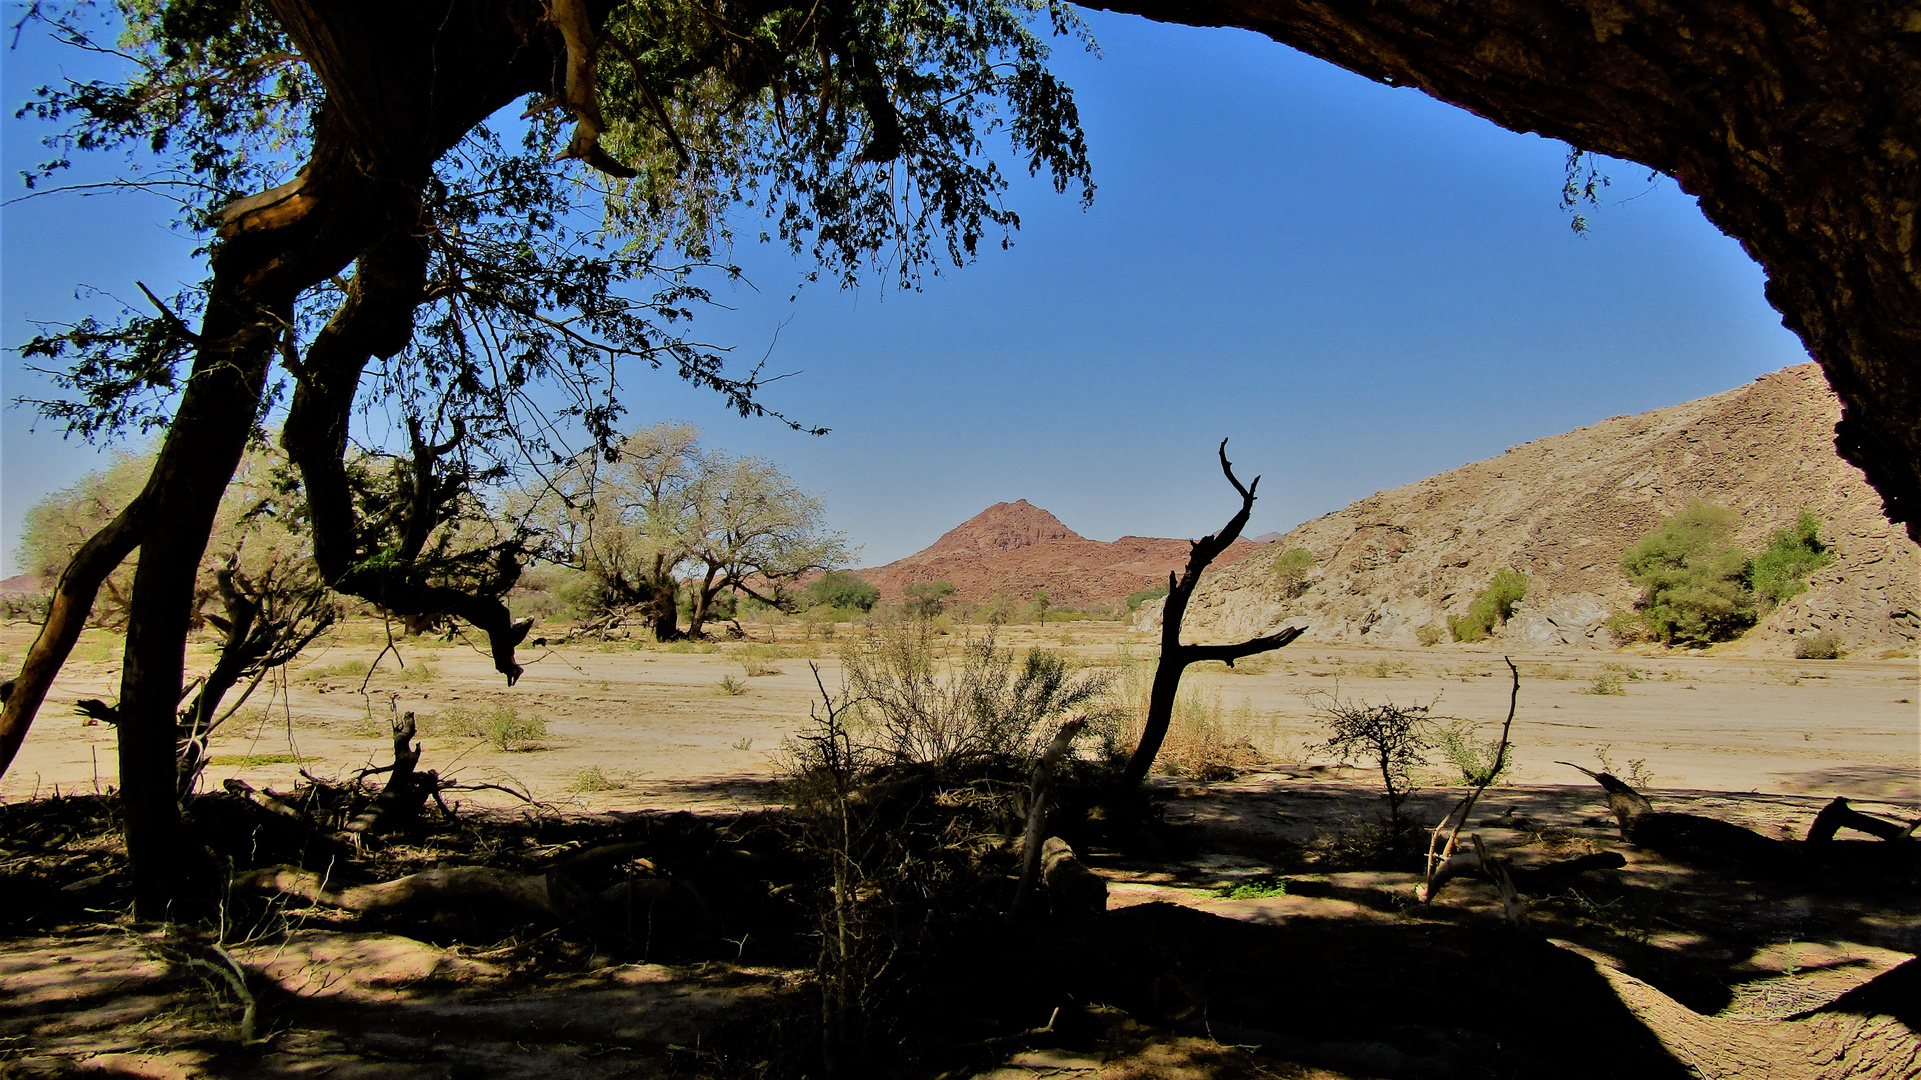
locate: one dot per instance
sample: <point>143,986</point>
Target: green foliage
<point>840,589</point>
<point>1290,571</point>
<point>1781,571</point>
<point>1430,634</point>
<point>926,599</point>
<point>1264,887</point>
<point>1491,608</point>
<point>1822,645</point>
<point>1135,600</point>
<point>1475,759</point>
<point>1693,579</point>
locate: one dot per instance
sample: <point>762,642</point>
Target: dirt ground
<point>653,728</point>
<point>1259,944</point>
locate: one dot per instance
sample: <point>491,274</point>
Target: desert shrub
<point>502,725</point>
<point>840,589</point>
<point>731,686</point>
<point>346,669</point>
<point>757,660</point>
<point>1430,634</point>
<point>927,599</point>
<point>1476,759</point>
<point>1393,738</point>
<point>1780,572</point>
<point>1822,645</point>
<point>1491,608</point>
<point>1206,742</point>
<point>1693,579</point>
<point>1605,683</point>
<point>1290,571</point>
<point>1135,600</point>
<point>985,706</point>
<point>591,779</point>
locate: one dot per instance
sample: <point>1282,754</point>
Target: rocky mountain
<point>1564,509</point>
<point>1011,549</point>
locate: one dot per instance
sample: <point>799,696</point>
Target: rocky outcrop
<point>1012,549</point>
<point>1564,509</point>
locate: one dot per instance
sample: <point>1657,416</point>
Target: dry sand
<point>656,721</point>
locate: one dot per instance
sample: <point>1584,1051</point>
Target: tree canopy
<point>382,239</point>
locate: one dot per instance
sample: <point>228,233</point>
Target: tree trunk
<point>402,90</point>
<point>1797,126</point>
<point>1175,657</point>
<point>66,617</point>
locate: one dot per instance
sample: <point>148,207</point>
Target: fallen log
<point>1038,791</point>
<point>1693,838</point>
<point>549,894</point>
<point>1838,815</point>
<point>1073,891</point>
<point>1534,881</point>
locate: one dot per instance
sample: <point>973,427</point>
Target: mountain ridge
<point>1564,508</point>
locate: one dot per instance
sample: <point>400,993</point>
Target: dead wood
<point>1037,794</point>
<point>1175,657</point>
<point>1438,857</point>
<point>1513,908</point>
<point>1533,881</point>
<point>585,860</point>
<point>406,791</point>
<point>265,800</point>
<point>1838,815</point>
<point>1542,880</point>
<point>1073,891</point>
<point>554,895</point>
<point>1627,804</point>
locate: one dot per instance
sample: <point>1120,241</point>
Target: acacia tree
<point>664,505</point>
<point>757,534</point>
<point>312,138</point>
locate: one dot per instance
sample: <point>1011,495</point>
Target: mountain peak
<point>1004,527</point>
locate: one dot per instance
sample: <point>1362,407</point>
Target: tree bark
<point>403,87</point>
<point>1175,657</point>
<point>1798,126</point>
<point>66,617</point>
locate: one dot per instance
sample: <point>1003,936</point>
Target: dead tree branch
<point>1175,657</point>
<point>1037,811</point>
<point>1438,858</point>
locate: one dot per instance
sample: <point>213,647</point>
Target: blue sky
<point>1357,284</point>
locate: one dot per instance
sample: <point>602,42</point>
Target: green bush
<point>840,589</point>
<point>1823,645</point>
<point>1430,634</point>
<point>1474,758</point>
<point>1290,571</point>
<point>928,598</point>
<point>1491,608</point>
<point>1693,579</point>
<point>1781,571</point>
<point>1135,600</point>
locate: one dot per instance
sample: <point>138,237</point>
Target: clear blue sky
<point>1359,285</point>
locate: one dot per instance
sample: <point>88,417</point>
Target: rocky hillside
<point>1564,509</point>
<point>1011,549</point>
